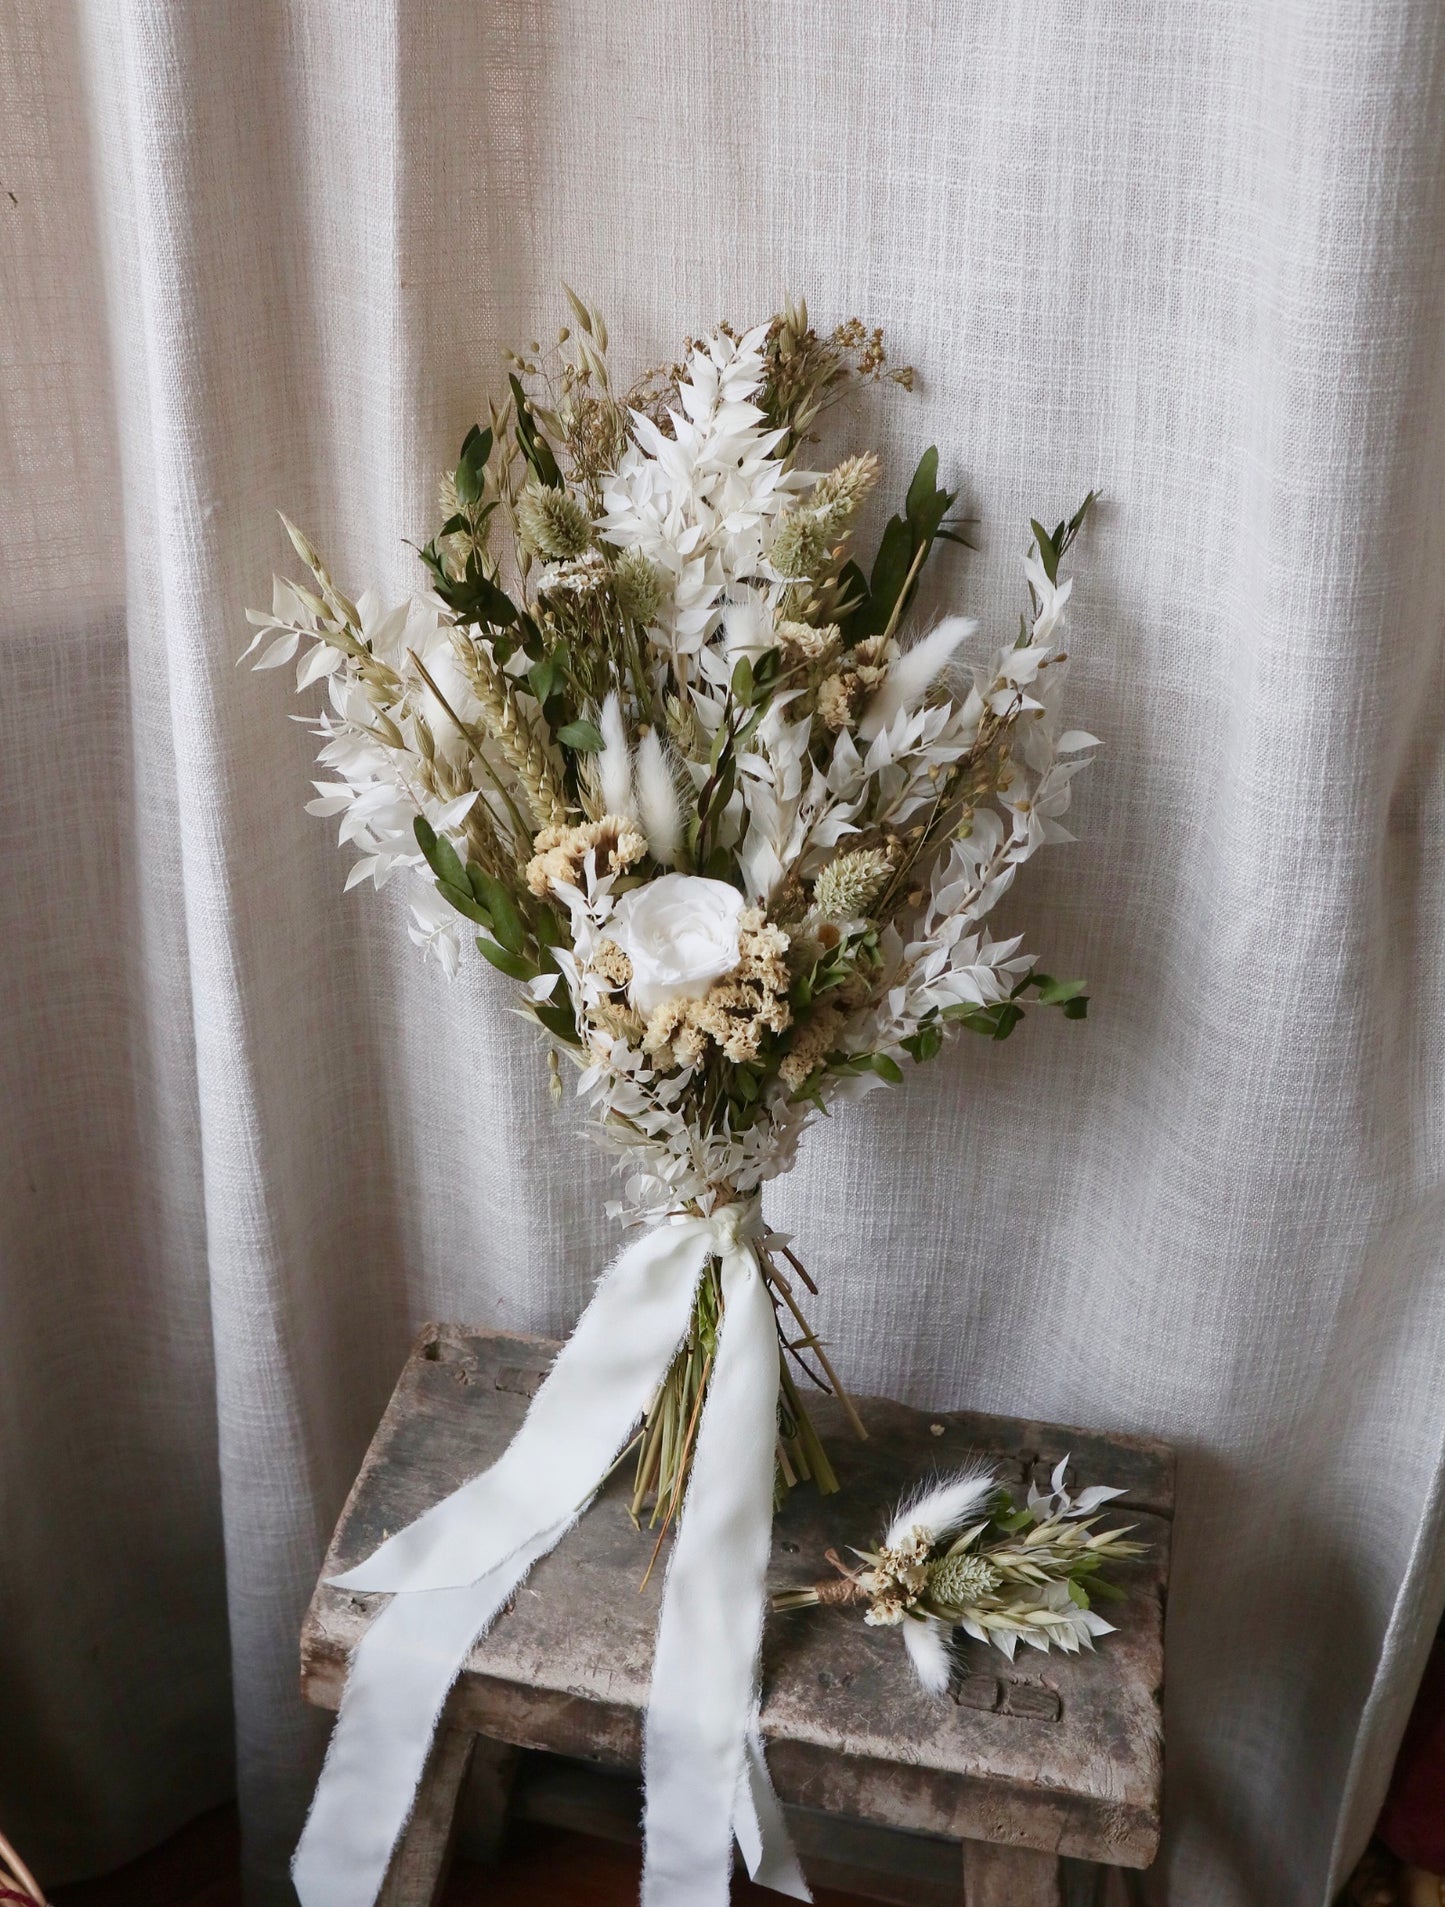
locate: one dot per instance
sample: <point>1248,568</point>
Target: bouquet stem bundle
<point>665,1445</point>
<point>668,1436</point>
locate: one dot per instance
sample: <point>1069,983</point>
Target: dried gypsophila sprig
<point>959,1555</point>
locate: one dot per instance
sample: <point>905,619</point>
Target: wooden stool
<point>992,1798</point>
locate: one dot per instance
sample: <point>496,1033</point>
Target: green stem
<point>667,1441</point>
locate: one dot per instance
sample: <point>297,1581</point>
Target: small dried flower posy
<point>959,1555</point>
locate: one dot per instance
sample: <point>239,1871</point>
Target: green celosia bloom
<point>637,585</point>
<point>799,546</point>
<point>848,887</point>
<point>552,523</point>
<point>958,1580</point>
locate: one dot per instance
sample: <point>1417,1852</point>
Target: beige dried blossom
<point>581,577</point>
<point>737,1012</point>
<point>869,659</point>
<point>802,642</point>
<point>841,696</point>
<point>559,854</point>
<point>886,1611</point>
<point>673,1038</point>
<point>611,964</point>
<point>898,1577</point>
<point>813,1041</point>
<point>840,702</point>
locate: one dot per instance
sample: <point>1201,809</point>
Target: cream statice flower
<point>562,855</point>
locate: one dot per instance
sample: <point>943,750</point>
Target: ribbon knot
<point>454,1568</point>
<point>734,1226</point>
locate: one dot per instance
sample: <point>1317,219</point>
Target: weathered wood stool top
<point>1061,1754</point>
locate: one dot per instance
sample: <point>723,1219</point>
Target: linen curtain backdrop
<point>267,254</point>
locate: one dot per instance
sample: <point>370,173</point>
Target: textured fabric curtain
<point>267,254</point>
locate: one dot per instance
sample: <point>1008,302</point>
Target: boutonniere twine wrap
<point>733,828</point>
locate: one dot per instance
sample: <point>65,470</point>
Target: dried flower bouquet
<point>734,831</point>
<point>654,733</point>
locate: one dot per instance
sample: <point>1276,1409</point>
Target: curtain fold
<point>267,256</point>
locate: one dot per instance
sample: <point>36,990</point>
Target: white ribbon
<point>454,1568</point>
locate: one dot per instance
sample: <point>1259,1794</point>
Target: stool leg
<point>996,1876</point>
<point>482,1811</point>
<point>419,1866</point>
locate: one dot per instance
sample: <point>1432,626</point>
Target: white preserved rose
<point>681,933</point>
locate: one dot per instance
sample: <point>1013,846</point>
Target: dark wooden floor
<point>541,1867</point>
<point>199,1867</point>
